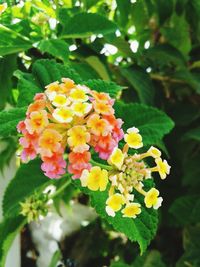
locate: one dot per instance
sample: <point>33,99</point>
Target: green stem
<point>103,166</point>
<point>62,188</point>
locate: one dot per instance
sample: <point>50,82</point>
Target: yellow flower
<point>133,138</point>
<point>154,152</point>
<point>131,210</point>
<point>152,200</point>
<point>78,138</point>
<point>63,114</point>
<point>60,100</point>
<point>80,108</point>
<point>78,94</point>
<point>3,8</point>
<point>162,167</point>
<point>52,89</point>
<point>114,203</point>
<point>95,179</point>
<point>116,158</point>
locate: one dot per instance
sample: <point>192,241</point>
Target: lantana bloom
<point>127,174</point>
<point>69,117</point>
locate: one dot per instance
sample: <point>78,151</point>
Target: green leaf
<point>152,123</point>
<point>85,24</point>
<point>164,55</point>
<point>27,88</point>
<point>55,47</point>
<point>141,82</point>
<point>191,257</point>
<point>9,120</point>
<point>85,71</point>
<point>9,228</point>
<point>29,178</point>
<point>165,9</point>
<point>193,134</point>
<point>142,229</point>
<point>55,258</point>
<point>178,34</point>
<point>186,209</point>
<point>12,42</point>
<point>102,86</point>
<point>191,171</point>
<point>149,259</point>
<point>47,71</point>
<point>119,264</point>
<point>9,147</point>
<point>123,10</point>
<point>99,67</point>
<point>7,66</point>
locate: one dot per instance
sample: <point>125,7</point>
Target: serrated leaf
<point>152,123</point>
<point>83,25</point>
<point>55,47</point>
<point>9,120</point>
<point>103,86</point>
<point>7,66</point>
<point>29,178</point>
<point>27,88</point>
<point>142,229</point>
<point>48,71</point>
<point>186,209</point>
<point>9,228</point>
<point>141,82</point>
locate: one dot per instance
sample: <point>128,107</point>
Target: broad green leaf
<point>191,257</point>
<point>152,123</point>
<point>9,228</point>
<point>164,55</point>
<point>8,148</point>
<point>193,134</point>
<point>27,88</point>
<point>186,209</point>
<point>85,24</point>
<point>8,65</point>
<point>149,259</point>
<point>99,67</point>
<point>165,10</point>
<point>178,34</point>
<point>9,120</point>
<point>28,179</point>
<point>191,171</point>
<point>47,71</point>
<point>142,229</point>
<point>122,12</point>
<point>103,86</point>
<point>55,47</point>
<point>141,82</point>
<point>12,42</point>
<point>85,71</point>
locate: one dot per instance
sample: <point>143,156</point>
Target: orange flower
<point>98,126</point>
<point>49,141</point>
<point>37,122</point>
<point>103,108</point>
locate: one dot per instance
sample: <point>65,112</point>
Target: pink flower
<point>79,162</point>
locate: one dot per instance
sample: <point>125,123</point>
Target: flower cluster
<point>70,116</point>
<point>126,175</point>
